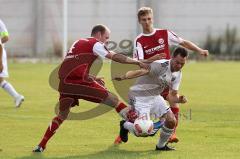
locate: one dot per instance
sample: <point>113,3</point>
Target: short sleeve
<point>173,39</point>
<point>100,49</point>
<point>3,29</point>
<point>138,51</point>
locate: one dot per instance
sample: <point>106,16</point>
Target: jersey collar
<point>150,34</point>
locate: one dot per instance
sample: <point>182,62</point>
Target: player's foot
<point>38,149</point>
<point>123,132</point>
<point>118,140</point>
<point>173,139</point>
<point>164,148</point>
<point>19,100</point>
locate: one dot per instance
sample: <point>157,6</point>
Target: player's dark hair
<point>144,11</point>
<point>98,28</point>
<point>180,51</point>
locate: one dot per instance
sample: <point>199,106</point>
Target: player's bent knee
<point>63,116</point>
<point>170,121</point>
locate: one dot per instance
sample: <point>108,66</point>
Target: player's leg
<point>64,109</point>
<point>166,132</point>
<point>113,101</point>
<point>161,110</point>
<point>122,109</point>
<point>141,110</point>
<point>126,126</point>
<point>6,85</point>
<point>96,92</point>
<point>175,109</point>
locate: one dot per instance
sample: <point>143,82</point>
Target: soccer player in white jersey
<point>154,44</point>
<point>145,94</point>
<point>4,37</point>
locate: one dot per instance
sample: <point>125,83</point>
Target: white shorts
<point>4,73</point>
<point>153,107</point>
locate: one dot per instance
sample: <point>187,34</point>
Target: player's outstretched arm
<point>191,46</point>
<point>174,97</point>
<point>125,60</point>
<point>154,58</point>
<point>132,74</point>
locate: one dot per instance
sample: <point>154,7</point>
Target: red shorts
<point>70,92</point>
<point>165,93</point>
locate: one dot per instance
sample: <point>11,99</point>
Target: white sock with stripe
<point>129,126</point>
<point>9,89</point>
<point>164,136</point>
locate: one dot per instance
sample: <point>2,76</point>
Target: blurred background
<point>41,28</point>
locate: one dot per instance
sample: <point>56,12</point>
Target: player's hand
<point>100,80</point>
<point>143,65</point>
<point>204,53</point>
<point>161,56</point>
<point>1,67</point>
<point>118,78</point>
<point>182,99</point>
<point>156,57</point>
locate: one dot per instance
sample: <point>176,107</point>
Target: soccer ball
<point>143,127</point>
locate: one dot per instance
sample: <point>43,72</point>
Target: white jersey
<point>3,29</point>
<point>159,78</point>
<point>100,49</point>
<point>3,32</point>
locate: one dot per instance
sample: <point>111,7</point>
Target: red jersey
<point>157,42</point>
<point>80,58</point>
<point>75,81</point>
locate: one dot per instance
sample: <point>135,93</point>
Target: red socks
<point>120,107</point>
<point>56,122</point>
<point>122,110</point>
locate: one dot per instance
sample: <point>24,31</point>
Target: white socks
<point>164,136</point>
<point>129,126</point>
<point>9,89</point>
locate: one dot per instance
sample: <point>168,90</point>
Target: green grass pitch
<point>212,88</point>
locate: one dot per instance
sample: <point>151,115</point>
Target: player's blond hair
<point>144,11</point>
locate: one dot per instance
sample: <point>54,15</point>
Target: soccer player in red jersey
<point>154,44</point>
<point>76,82</point>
